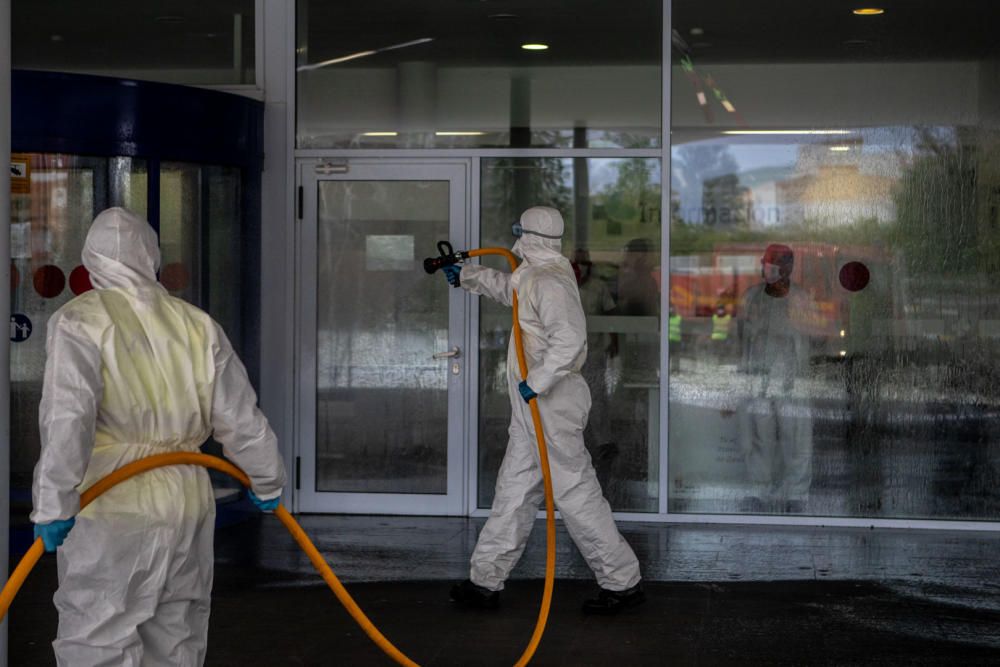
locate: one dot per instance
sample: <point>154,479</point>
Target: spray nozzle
<point>447,257</point>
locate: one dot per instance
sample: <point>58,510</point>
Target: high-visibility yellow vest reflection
<point>674,332</point>
<point>720,326</point>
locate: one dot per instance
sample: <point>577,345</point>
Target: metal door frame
<point>312,172</point>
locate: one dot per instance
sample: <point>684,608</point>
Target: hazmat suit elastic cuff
<point>259,458</point>
<point>267,496</point>
<point>536,383</point>
<point>540,383</point>
<point>53,505</point>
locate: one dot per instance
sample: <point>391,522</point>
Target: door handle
<point>454,352</point>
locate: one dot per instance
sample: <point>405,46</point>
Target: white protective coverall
<point>776,430</point>
<point>132,372</point>
<point>555,343</point>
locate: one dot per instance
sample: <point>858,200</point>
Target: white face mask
<point>533,248</point>
<point>517,249</point>
<point>771,273</point>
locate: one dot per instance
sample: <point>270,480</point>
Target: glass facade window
<point>382,399</point>
<point>445,74</point>
<point>201,240</point>
<point>612,213</point>
<point>194,43</point>
<point>833,261</point>
<point>49,222</point>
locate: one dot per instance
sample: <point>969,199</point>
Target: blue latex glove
<point>264,505</point>
<point>452,273</point>
<point>54,532</point>
<point>527,393</point>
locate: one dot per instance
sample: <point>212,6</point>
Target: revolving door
<point>186,159</point>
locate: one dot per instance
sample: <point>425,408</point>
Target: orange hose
<point>20,573</point>
<point>543,455</point>
<point>214,462</point>
<point>28,561</point>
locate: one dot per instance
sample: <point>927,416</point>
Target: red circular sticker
<point>49,281</point>
<point>15,277</point>
<point>854,276</point>
<point>175,277</point>
<point>79,280</point>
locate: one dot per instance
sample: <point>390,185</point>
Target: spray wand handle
<point>447,257</point>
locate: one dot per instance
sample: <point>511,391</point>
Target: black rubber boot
<point>468,594</point>
<point>609,603</point>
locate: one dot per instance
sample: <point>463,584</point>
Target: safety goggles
<point>517,230</point>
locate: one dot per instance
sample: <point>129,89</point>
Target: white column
<point>4,301</point>
<point>665,171</point>
<point>277,299</point>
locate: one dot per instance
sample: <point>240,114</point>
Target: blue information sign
<point>20,328</point>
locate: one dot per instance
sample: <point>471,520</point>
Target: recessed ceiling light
<point>697,31</point>
<point>56,38</point>
<point>534,47</point>
<point>459,133</point>
<point>869,11</point>
<point>840,149</point>
<point>381,134</point>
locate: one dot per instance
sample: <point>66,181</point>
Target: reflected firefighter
<point>775,429</point>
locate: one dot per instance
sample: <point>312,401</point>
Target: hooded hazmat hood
<point>121,250</point>
<point>541,239</point>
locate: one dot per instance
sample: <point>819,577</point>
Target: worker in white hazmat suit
<point>132,372</point>
<point>555,344</point>
<point>776,430</point>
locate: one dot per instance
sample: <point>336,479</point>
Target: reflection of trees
<point>936,226</point>
<point>943,206</point>
<point>919,377</point>
<point>635,195</point>
<point>511,185</point>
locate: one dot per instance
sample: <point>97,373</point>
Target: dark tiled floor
<point>718,596</point>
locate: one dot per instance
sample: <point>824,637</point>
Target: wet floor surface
<point>406,548</point>
<point>717,596</point>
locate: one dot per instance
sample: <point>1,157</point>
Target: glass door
<point>382,343</point>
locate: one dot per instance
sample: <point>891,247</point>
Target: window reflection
<point>868,388</point>
<point>446,74</point>
<point>382,399</point>
<point>50,217</point>
<point>612,213</point>
<point>880,279</point>
<point>893,281</point>
<point>201,240</point>
<point>181,41</point>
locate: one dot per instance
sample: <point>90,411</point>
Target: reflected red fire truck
<point>700,284</point>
